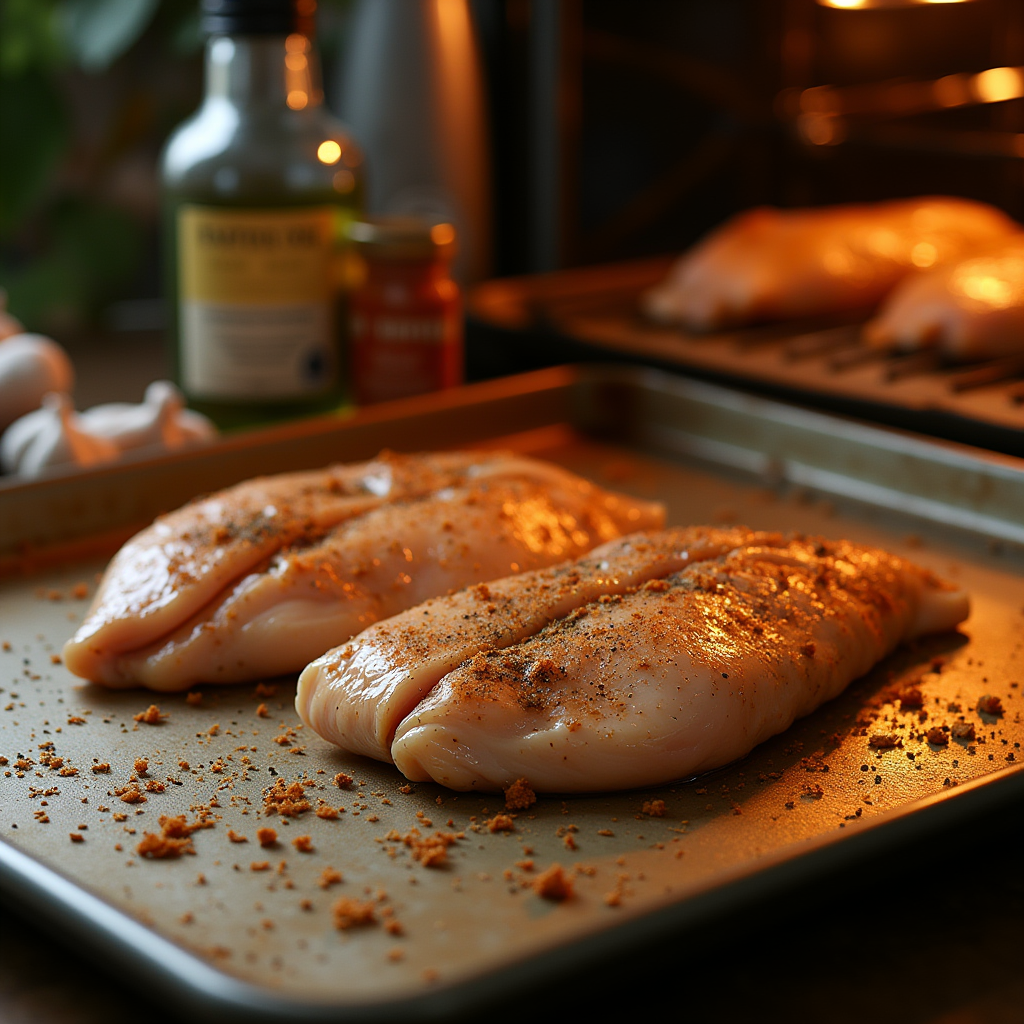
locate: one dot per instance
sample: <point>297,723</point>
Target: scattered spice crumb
<point>351,913</point>
<point>885,740</point>
<point>553,884</point>
<point>286,799</point>
<point>304,844</point>
<point>501,823</point>
<point>151,716</point>
<point>266,836</point>
<point>329,877</point>
<point>963,730</point>
<point>234,837</point>
<point>654,808</point>
<point>990,704</point>
<point>519,796</point>
<point>937,736</point>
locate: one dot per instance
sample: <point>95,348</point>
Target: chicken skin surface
<point>652,658</point>
<point>770,264</point>
<point>970,309</point>
<point>261,578</point>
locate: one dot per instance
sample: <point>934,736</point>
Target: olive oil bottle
<point>259,186</point>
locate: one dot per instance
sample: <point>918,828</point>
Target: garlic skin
<point>161,419</point>
<point>55,435</point>
<point>51,437</point>
<point>30,366</point>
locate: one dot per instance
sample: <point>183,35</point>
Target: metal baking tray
<point>593,313</point>
<point>261,944</point>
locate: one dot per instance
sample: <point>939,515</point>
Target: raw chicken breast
<point>971,309</point>
<point>655,657</point>
<point>263,577</point>
<point>769,264</point>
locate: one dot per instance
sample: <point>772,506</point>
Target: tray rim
<point>533,400</point>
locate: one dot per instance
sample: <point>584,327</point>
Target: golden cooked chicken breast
<point>770,264</point>
<point>261,578</point>
<point>655,657</point>
<point>969,309</point>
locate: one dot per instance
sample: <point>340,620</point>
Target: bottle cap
<point>402,238</point>
<point>255,17</point>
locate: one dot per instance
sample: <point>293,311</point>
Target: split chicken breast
<point>770,264</point>
<point>969,309</point>
<point>261,578</point>
<point>653,658</point>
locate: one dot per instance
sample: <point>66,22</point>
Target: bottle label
<point>257,317</point>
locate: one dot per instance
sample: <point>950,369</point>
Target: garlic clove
<point>51,437</point>
<point>160,419</point>
<point>30,366</point>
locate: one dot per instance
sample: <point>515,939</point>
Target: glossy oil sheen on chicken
<point>769,264</point>
<point>969,309</point>
<point>653,658</point>
<point>261,578</point>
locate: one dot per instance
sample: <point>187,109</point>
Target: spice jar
<point>406,317</point>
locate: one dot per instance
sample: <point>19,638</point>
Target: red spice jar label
<point>405,323</point>
<point>397,353</point>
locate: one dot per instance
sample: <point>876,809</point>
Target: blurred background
<point>614,130</point>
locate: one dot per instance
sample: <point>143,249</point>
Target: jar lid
<point>402,238</point>
<point>254,17</point>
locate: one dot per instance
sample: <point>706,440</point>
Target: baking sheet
<point>244,940</point>
<point>594,313</point>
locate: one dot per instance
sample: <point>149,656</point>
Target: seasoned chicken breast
<point>261,578</point>
<point>969,309</point>
<point>655,657</point>
<point>769,264</point>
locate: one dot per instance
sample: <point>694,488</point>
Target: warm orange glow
<point>344,181</point>
<point>952,91</point>
<point>442,234</point>
<point>868,4</point>
<point>328,152</point>
<point>295,61</point>
<point>298,99</point>
<point>296,43</point>
<point>820,129</point>
<point>998,84</point>
<point>924,255</point>
<point>820,99</point>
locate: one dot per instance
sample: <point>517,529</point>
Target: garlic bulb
<point>51,437</point>
<point>30,366</point>
<point>161,419</point>
<point>55,435</point>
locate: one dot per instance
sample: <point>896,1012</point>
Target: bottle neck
<point>263,72</point>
